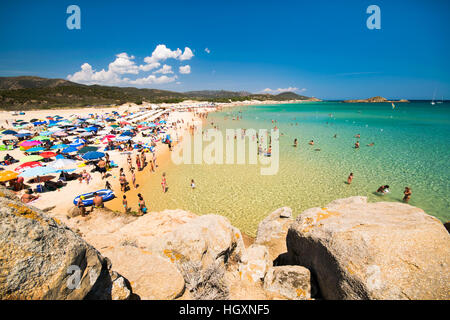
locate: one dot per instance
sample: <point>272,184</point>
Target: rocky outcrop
<point>272,231</point>
<point>41,258</point>
<point>383,250</point>
<point>292,282</point>
<point>254,263</point>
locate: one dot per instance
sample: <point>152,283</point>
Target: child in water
<point>350,178</point>
<point>407,194</point>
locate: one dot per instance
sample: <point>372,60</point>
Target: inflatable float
<point>88,200</point>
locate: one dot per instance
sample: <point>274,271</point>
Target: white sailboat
<point>442,101</point>
<point>432,101</point>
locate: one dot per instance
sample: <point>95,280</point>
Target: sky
<point>315,48</point>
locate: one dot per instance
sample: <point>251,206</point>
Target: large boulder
<point>206,239</point>
<point>41,258</point>
<point>292,282</point>
<point>272,231</point>
<point>383,250</point>
<point>254,263</point>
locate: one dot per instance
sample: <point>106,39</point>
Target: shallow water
<point>412,148</point>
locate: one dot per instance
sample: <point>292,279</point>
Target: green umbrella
<point>40,138</point>
<point>30,158</point>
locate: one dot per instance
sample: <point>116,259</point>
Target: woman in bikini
<point>164,182</point>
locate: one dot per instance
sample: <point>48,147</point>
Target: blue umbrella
<point>93,155</point>
<point>59,146</point>
<point>46,133</point>
<point>35,149</point>
<point>69,150</point>
<point>59,156</point>
<point>9,132</point>
<point>38,123</point>
<point>123,138</point>
<point>23,135</point>
<point>127,133</point>
<point>91,129</point>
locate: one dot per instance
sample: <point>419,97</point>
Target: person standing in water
<point>295,142</point>
<point>357,145</point>
<point>350,178</point>
<point>407,194</point>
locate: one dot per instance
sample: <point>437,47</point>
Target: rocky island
<point>376,99</point>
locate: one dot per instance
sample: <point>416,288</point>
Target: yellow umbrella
<point>8,175</point>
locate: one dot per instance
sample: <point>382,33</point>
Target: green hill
<point>25,93</point>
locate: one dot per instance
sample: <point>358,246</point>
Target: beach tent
<point>30,158</point>
<point>93,155</point>
<point>7,175</point>
<point>27,165</point>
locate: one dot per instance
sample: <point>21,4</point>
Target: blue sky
<point>320,48</point>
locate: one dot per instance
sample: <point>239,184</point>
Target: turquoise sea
<point>411,148</point>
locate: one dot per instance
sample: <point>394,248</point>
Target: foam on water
<point>412,148</point>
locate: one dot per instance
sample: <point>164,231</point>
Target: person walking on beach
<point>143,159</point>
<point>138,162</point>
<point>192,184</point>
<point>142,206</point>
<point>350,178</point>
<point>407,194</point>
<point>152,166</point>
<point>125,203</point>
<point>164,182</point>
<point>102,168</point>
<point>130,162</point>
<point>133,178</point>
<point>123,183</point>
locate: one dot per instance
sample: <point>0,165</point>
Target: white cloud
<point>152,79</point>
<point>125,64</point>
<point>164,70</point>
<point>207,50</point>
<point>187,54</point>
<point>279,90</point>
<point>185,69</point>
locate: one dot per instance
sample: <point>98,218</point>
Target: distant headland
<point>376,99</point>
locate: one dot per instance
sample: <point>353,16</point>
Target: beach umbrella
<point>77,143</point>
<point>62,163</point>
<point>41,138</point>
<point>59,156</point>
<point>7,175</point>
<point>127,133</point>
<point>9,137</point>
<point>38,123</point>
<point>123,138</point>
<point>86,134</point>
<point>30,158</point>
<point>87,149</point>
<point>69,149</point>
<point>47,154</point>
<point>93,155</point>
<point>9,132</point>
<point>23,135</point>
<point>60,134</point>
<point>35,149</point>
<point>37,171</point>
<point>27,165</point>
<point>59,146</point>
<point>29,143</point>
<point>91,129</point>
<point>46,133</point>
<point>24,131</point>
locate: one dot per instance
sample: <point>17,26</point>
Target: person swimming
<point>311,142</point>
<point>383,189</point>
<point>371,144</point>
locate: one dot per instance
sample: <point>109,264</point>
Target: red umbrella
<point>27,165</point>
<point>48,154</point>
